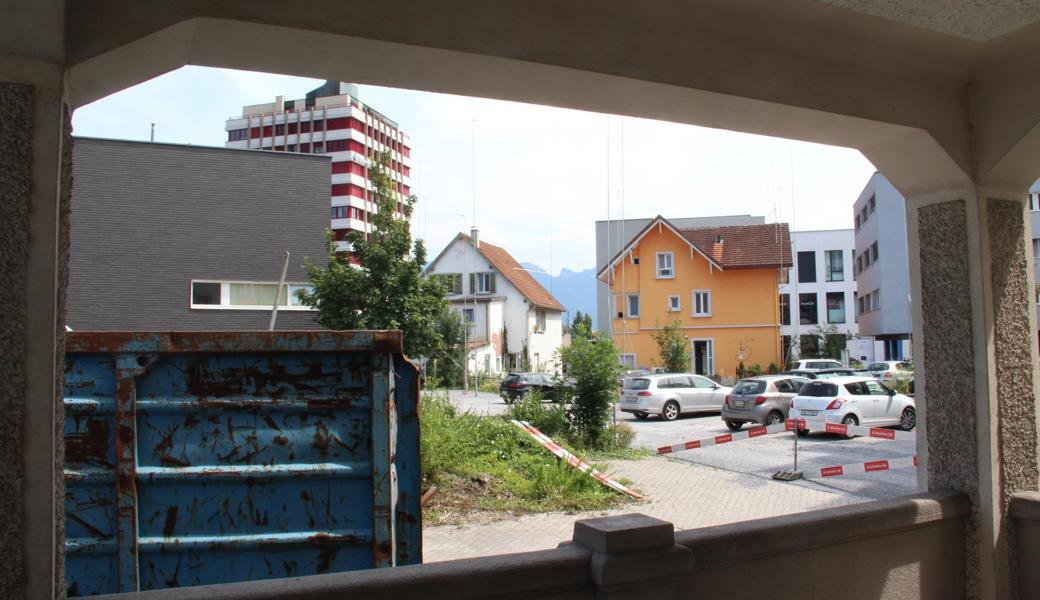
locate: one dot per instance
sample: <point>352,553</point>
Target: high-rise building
<point>332,120</point>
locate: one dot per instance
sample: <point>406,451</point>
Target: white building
<point>820,294</point>
<point>510,312</point>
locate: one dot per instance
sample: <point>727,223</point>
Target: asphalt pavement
<point>765,455</point>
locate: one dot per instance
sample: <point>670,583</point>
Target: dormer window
<point>665,265</point>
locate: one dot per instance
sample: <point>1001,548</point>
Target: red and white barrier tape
<point>752,432</point>
<point>870,466</point>
<point>874,432</point>
<point>573,460</point>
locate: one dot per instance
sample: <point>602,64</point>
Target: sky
<point>538,176</point>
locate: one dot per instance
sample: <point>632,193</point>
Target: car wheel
<point>908,420</point>
<point>670,411</point>
<point>774,418</point>
<point>850,420</point>
<point>641,416</point>
<point>734,425</point>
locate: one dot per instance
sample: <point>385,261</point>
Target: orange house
<point>720,283</point>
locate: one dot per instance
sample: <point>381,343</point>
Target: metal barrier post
<point>794,474</point>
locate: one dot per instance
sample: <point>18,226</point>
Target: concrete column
<point>975,354</point>
<point>35,187</point>
<point>634,556</point>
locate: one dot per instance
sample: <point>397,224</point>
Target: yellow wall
<point>745,312</point>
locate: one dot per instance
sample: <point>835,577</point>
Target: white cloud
<point>531,160</point>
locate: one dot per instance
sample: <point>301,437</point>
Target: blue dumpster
<point>202,458</point>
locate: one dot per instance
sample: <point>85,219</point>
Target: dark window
<point>807,267</point>
<point>809,346</point>
<point>237,135</point>
<point>785,346</point>
<point>279,129</point>
<point>205,293</point>
<point>835,307</point>
<point>637,384</point>
<point>807,314</point>
<point>305,127</point>
<point>749,388</point>
<point>873,252</point>
<point>785,309</point>
<point>336,146</point>
<point>318,148</point>
<point>819,389</point>
<point>834,269</point>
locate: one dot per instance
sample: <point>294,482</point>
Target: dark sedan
<point>517,385</point>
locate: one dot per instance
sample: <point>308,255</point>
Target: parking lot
<point>759,457</point>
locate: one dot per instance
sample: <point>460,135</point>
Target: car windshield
<point>829,375</point>
<point>878,367</point>
<point>748,387</point>
<point>637,384</point>
<point>512,379</point>
<point>818,388</point>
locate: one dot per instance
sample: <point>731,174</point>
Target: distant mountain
<point>576,290</point>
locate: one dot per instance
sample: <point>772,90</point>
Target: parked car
<point>853,401</point>
<point>842,372</point>
<point>518,385</point>
<point>630,374</point>
<point>887,370</point>
<point>814,364</point>
<point>765,400</point>
<point>671,394</point>
<point>800,373</point>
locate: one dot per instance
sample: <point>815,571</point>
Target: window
<point>452,282</point>
<point>807,267</point>
<point>633,305</point>
<point>673,303</point>
<point>702,303</point>
<point>834,265</point>
<point>785,347</point>
<point>665,265</point>
<point>482,283</point>
<point>807,309</point>
<point>856,305</point>
<point>785,309</point>
<point>835,307</point>
<point>1034,201</point>
<point>318,148</point>
<point>1036,249</point>
<point>629,362</point>
<point>809,346</point>
<point>539,322</point>
<point>857,221</point>
<point>873,252</point>
<point>246,295</point>
<point>876,303</point>
<point>871,204</point>
<point>279,129</point>
<point>866,259</point>
<point>237,135</point>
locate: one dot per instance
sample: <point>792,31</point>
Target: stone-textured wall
<point>64,226</point>
<point>1013,339</point>
<point>16,129</point>
<point>948,349</point>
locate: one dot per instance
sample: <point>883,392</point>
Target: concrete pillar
<point>634,556</point>
<point>35,188</point>
<point>975,350</point>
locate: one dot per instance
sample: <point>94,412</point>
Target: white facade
<point>821,291</point>
<point>500,313</point>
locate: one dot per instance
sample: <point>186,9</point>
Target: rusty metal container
<point>202,458</point>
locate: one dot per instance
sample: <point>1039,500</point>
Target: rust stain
<point>281,440</point>
<point>171,521</point>
<point>91,446</point>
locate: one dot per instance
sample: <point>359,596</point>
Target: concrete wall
<point>149,218</point>
<point>909,547</point>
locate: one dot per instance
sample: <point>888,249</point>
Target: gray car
<point>765,400</point>
<point>670,395</point>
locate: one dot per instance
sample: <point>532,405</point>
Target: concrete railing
<point>907,548</point>
<point>1025,527</point>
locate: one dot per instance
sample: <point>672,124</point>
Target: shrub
<point>673,348</point>
<point>595,366</point>
<point>772,369</point>
<point>551,419</point>
<point>754,370</point>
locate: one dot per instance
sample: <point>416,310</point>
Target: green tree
<point>386,288</point>
<point>582,319</point>
<point>595,366</point>
<point>672,348</point>
<point>447,362</point>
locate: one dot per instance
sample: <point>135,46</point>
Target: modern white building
<point>516,324</point>
<point>819,297</point>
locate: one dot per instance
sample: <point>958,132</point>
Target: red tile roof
<point>744,246</point>
<point>504,263</point>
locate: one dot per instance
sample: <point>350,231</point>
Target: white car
<point>853,401</point>
<point>888,370</point>
<point>814,364</point>
<point>671,394</point>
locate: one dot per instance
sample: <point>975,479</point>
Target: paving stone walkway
<point>685,494</point>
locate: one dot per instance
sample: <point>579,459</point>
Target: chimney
<point>474,235</point>
<point>716,249</point>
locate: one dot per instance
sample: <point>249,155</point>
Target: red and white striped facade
<point>342,127</point>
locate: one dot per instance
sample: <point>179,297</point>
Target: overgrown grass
<point>488,465</point>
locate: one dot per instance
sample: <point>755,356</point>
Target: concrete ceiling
<point>975,20</point>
